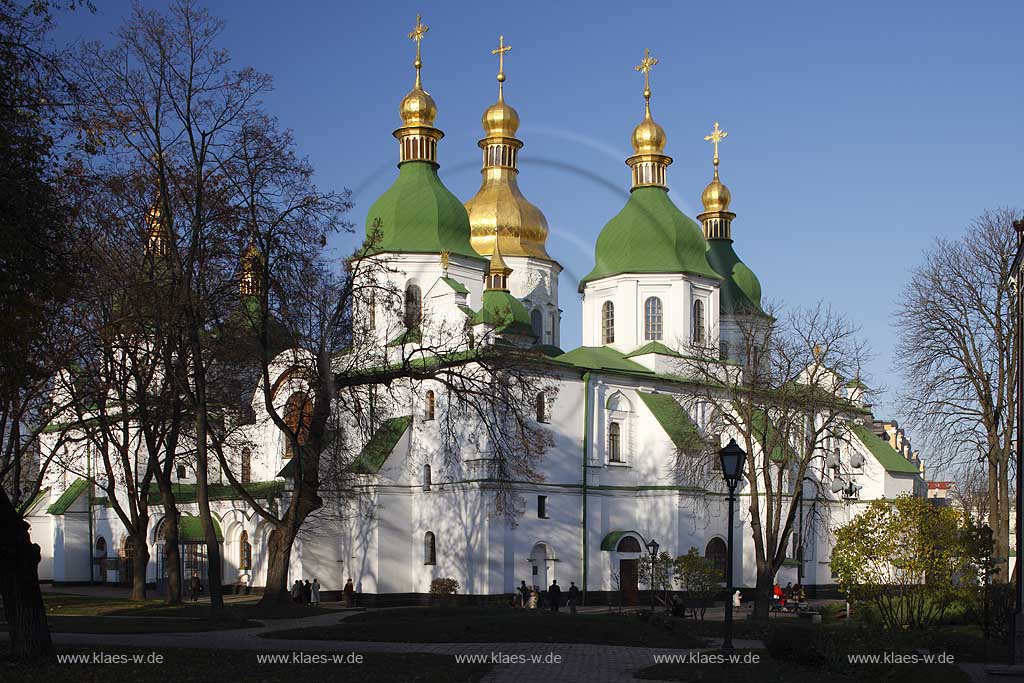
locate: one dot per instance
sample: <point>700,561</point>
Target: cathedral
<point>662,286</point>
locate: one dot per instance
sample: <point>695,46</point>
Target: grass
<point>767,670</point>
<point>485,625</point>
<point>207,665</point>
<point>71,605</point>
<point>119,625</point>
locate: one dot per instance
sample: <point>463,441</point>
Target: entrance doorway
<point>127,574</point>
<point>540,572</point>
<point>628,581</point>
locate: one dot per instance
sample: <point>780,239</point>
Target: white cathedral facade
<point>662,284</point>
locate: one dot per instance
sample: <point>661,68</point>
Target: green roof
<point>190,529</point>
<point>413,335</point>
<point>380,445</point>
<point>601,358</point>
<point>418,214</point>
<point>674,420</point>
<point>67,499</point>
<point>455,285</point>
<point>186,493</point>
<point>886,455</point>
<point>505,312</point>
<point>611,541</point>
<point>650,235</point>
<point>741,291</point>
<point>654,347</point>
<point>549,350</point>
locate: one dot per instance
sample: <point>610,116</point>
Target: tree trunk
<point>140,562</point>
<point>172,551</point>
<point>762,594</point>
<point>19,587</point>
<point>279,553</point>
<point>995,521</point>
<point>1003,544</point>
<point>213,561</point>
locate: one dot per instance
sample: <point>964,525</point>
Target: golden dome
<point>500,119</point>
<point>418,107</point>
<point>648,136</point>
<point>716,196</point>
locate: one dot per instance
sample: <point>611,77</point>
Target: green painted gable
<point>674,420</point>
<point>650,235</point>
<point>418,214</point>
<point>380,445</point>
<point>601,358</point>
<point>190,529</point>
<point>68,498</point>
<point>740,292</point>
<point>505,312</point>
<point>456,286</point>
<point>654,347</point>
<point>887,456</point>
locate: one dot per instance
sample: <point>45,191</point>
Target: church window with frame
<point>429,548</point>
<point>653,319</point>
<point>537,323</point>
<point>298,415</point>
<point>244,551</point>
<point>246,469</point>
<point>542,407</point>
<point>429,407</point>
<point>615,442</point>
<point>413,314</point>
<point>607,322</point>
<point>699,322</point>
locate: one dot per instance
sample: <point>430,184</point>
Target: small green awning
<point>190,530</point>
<point>611,541</point>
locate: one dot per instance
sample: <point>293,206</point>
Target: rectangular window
<point>542,507</point>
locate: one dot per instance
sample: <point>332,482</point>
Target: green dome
<point>505,312</point>
<point>650,235</point>
<point>741,291</point>
<point>418,214</point>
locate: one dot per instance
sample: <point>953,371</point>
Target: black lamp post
<point>732,457</point>
<point>652,548</point>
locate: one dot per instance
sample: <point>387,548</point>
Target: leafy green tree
<point>664,567</point>
<point>699,580</point>
<point>906,558</point>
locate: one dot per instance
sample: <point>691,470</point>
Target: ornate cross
<point>716,136</point>
<point>417,33</point>
<point>500,51</point>
<point>645,67</point>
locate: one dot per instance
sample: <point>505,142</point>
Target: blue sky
<point>858,131</point>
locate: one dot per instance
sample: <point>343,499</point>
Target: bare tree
<point>785,404</point>
<point>956,353</point>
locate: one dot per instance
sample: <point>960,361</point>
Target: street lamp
<point>732,457</point>
<point>652,548</point>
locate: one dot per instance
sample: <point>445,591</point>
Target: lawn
<point>207,665</point>
<point>70,605</point>
<point>767,670</point>
<point>104,624</point>
<point>497,624</point>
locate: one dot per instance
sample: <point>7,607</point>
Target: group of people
<point>531,597</point>
<point>306,593</point>
<point>791,597</point>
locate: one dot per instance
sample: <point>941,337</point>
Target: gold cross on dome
<point>417,33</point>
<point>500,51</point>
<point>716,136</point>
<point>645,67</point>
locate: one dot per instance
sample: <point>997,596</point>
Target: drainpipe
<point>586,444</point>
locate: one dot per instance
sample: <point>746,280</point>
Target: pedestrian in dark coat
<point>350,593</point>
<point>195,587</point>
<point>307,592</point>
<point>554,595</point>
<point>574,596</point>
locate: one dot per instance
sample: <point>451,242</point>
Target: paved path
<point>556,662</point>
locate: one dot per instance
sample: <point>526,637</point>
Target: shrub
<point>444,586</point>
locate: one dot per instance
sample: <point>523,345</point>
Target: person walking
<point>524,594</point>
<point>315,592</point>
<point>307,592</point>
<point>554,595</point>
<point>574,596</point>
<point>195,587</point>
<point>296,591</point>
<point>349,593</point>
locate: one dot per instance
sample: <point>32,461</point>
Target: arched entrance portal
<point>629,561</point>
<point>542,569</point>
<point>100,560</point>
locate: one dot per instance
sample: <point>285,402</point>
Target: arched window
<point>429,548</point>
<point>552,338</point>
<point>413,307</point>
<point>537,322</point>
<point>181,472</point>
<point>246,465</point>
<point>652,319</point>
<point>244,551</point>
<point>607,322</point>
<point>698,322</point>
<point>716,552</point>
<point>615,442</point>
<point>298,414</point>
<point>628,544</point>
<point>426,478</point>
<point>542,407</point>
<point>371,309</point>
<point>101,546</point>
<point>429,406</point>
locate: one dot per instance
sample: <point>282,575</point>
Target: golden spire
<point>497,271</point>
<point>648,162</point>
<point>716,218</point>
<point>249,285</point>
<point>499,207</point>
<point>417,136</point>
<point>500,51</point>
